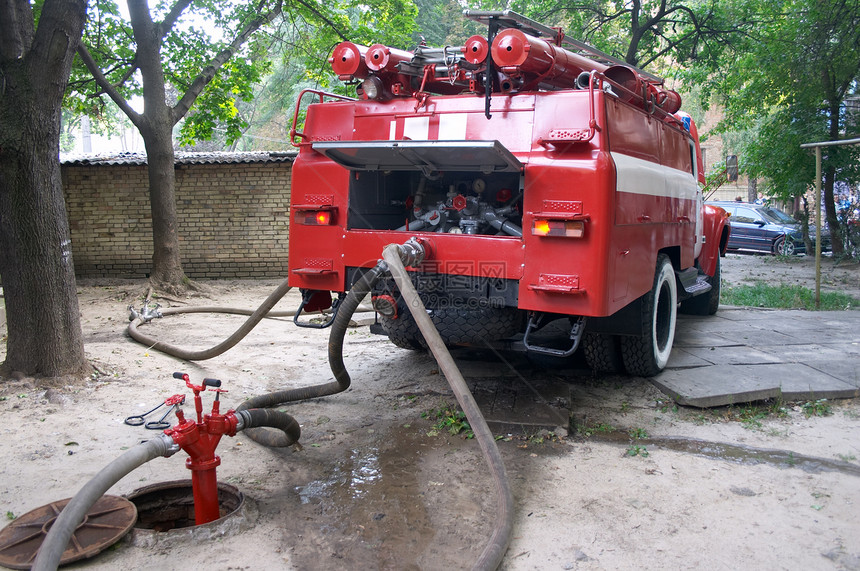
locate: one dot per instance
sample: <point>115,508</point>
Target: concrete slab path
<point>746,354</point>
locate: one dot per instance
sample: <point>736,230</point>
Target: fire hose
<point>495,549</point>
<point>395,259</point>
<point>255,317</point>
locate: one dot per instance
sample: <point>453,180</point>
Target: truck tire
<point>456,326</point>
<point>603,352</point>
<point>647,354</point>
<point>708,303</point>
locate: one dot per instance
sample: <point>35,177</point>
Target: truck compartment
<point>454,187</point>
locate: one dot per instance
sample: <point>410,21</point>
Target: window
<point>746,216</point>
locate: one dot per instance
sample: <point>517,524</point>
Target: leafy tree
<point>644,33</point>
<point>37,45</point>
<point>298,47</point>
<point>155,49</point>
<point>163,47</point>
<point>790,84</point>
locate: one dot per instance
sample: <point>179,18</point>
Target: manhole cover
<point>110,518</point>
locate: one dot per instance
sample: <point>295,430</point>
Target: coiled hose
<point>52,548</point>
<point>495,549</point>
<point>290,432</point>
<point>255,317</point>
<point>335,358</point>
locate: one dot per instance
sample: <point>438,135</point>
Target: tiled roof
<point>124,158</point>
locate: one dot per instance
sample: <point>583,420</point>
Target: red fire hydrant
<point>199,440</point>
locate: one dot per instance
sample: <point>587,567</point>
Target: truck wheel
<point>708,303</point>
<point>603,352</point>
<point>647,355</point>
<point>455,325</point>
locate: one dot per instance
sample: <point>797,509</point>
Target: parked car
<point>766,229</point>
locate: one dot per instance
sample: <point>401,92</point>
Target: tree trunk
<point>829,175</point>
<point>830,212</point>
<point>752,189</point>
<point>156,128</point>
<point>166,257</point>
<point>43,320</point>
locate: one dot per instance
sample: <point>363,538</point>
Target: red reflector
<point>565,228</point>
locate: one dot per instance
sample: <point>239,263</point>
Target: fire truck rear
<point>547,183</point>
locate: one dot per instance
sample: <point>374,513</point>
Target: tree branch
<point>208,73</point>
<point>16,19</point>
<point>170,19</point>
<point>106,86</point>
<point>60,27</point>
<point>328,22</point>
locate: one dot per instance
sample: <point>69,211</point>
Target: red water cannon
<point>348,61</point>
<point>476,49</point>
<point>199,440</point>
<point>641,92</point>
<point>538,61</point>
<point>381,58</point>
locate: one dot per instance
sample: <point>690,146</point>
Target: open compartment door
<point>426,156</point>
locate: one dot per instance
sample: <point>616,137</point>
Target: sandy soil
<point>375,487</point>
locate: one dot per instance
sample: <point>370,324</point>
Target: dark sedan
<point>765,229</point>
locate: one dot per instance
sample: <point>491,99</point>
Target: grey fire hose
<point>52,548</point>
<point>255,317</point>
<point>494,551</point>
<point>335,357</point>
<point>51,551</point>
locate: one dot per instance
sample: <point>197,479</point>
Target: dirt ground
<point>629,481</point>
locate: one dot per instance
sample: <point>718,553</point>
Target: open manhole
<point>166,512</point>
<point>109,519</point>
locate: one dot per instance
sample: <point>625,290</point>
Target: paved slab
<point>756,354</point>
<point>514,396</point>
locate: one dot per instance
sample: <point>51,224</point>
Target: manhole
<point>110,518</point>
<point>166,513</point>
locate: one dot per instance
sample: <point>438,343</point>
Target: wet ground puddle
<point>736,453</point>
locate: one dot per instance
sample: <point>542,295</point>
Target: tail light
<point>563,228</point>
<point>315,216</point>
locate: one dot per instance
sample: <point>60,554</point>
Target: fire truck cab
<point>545,180</point>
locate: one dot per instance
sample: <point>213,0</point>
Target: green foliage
<point>786,83</point>
<point>636,450</point>
<point>596,429</point>
<point>818,407</point>
<point>657,35</point>
<point>293,50</point>
<point>785,296</point>
<point>751,415</point>
<point>451,420</point>
<point>638,433</point>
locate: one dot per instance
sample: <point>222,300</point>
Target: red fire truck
<point>547,182</point>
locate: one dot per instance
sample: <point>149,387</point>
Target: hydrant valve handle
<point>175,399</point>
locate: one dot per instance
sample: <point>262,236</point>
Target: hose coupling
<point>243,417</point>
<point>170,445</point>
<point>411,252</point>
<point>146,313</point>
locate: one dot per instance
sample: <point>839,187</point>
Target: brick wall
<point>233,219</point>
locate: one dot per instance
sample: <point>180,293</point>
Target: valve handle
<point>175,399</point>
<point>189,384</point>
